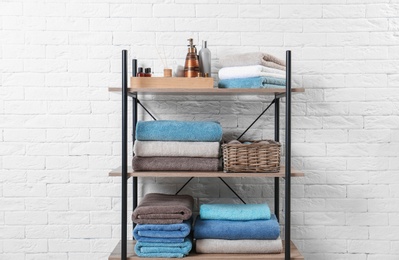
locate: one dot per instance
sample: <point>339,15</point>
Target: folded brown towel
<point>253,58</point>
<point>156,208</point>
<point>169,163</point>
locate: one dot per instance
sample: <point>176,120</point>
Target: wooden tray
<point>172,82</point>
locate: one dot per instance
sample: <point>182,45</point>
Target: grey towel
<point>221,246</point>
<point>156,208</point>
<point>252,58</point>
<point>175,164</point>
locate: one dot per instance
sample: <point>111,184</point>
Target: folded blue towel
<point>236,230</point>
<point>188,131</point>
<point>168,250</point>
<point>235,211</point>
<point>257,82</point>
<point>168,233</point>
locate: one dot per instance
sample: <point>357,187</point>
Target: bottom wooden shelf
<point>295,254</point>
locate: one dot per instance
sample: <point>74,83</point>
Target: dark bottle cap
<point>139,69</point>
<point>147,70</point>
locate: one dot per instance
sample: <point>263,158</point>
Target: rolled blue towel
<point>167,250</point>
<point>236,230</point>
<point>167,233</point>
<point>235,211</point>
<point>170,130</point>
<point>256,82</point>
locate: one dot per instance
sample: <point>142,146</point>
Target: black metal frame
<point>276,102</point>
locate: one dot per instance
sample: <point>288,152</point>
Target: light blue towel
<point>237,230</point>
<point>170,130</point>
<point>257,82</point>
<point>168,250</point>
<point>235,211</point>
<point>162,232</point>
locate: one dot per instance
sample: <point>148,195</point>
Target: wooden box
<point>171,82</point>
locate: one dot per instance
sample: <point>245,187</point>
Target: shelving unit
<point>125,248</point>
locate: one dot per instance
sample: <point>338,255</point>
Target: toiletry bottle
<point>140,72</point>
<point>147,72</point>
<point>191,66</point>
<point>205,60</point>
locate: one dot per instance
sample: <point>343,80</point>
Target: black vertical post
<point>124,156</point>
<point>277,139</point>
<point>288,158</point>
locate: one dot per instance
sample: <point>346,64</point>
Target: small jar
<point>140,72</point>
<point>147,72</point>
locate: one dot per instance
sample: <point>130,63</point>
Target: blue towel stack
<point>168,145</point>
<point>218,222</point>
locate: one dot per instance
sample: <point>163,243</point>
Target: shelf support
<point>261,114</point>
<point>288,158</point>
<point>235,193</point>
<point>146,110</point>
<point>124,156</point>
<point>184,185</point>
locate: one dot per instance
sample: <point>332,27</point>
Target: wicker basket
<point>258,156</point>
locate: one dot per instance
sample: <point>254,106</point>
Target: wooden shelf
<point>130,173</point>
<point>208,91</point>
<point>295,254</point>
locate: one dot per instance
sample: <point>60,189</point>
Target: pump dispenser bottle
<point>191,66</point>
<point>205,60</point>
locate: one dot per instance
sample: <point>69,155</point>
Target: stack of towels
<point>237,229</point>
<point>252,70</point>
<point>164,225</point>
<point>166,145</point>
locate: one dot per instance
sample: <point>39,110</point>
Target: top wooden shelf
<point>208,91</point>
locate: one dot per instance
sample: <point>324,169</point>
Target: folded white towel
<point>186,149</point>
<point>253,58</point>
<point>221,246</point>
<point>250,72</point>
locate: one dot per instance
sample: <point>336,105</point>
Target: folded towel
<point>250,72</point>
<point>258,82</point>
<point>169,130</point>
<point>253,58</point>
<point>169,250</point>
<point>186,149</point>
<point>167,233</point>
<point>235,211</point>
<point>156,208</point>
<point>234,230</point>
<point>175,164</point>
<point>221,246</point>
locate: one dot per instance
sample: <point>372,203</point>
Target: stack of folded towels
<point>251,70</point>
<point>237,229</point>
<point>164,225</point>
<point>166,145</point>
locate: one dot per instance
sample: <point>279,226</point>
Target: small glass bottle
<point>140,72</point>
<point>147,72</point>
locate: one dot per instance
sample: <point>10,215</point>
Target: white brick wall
<point>60,127</point>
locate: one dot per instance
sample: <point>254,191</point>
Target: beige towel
<point>186,149</point>
<point>221,246</point>
<point>253,58</point>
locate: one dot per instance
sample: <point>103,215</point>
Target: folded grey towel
<point>175,164</point>
<point>186,149</point>
<point>157,208</point>
<point>221,246</point>
<point>252,58</point>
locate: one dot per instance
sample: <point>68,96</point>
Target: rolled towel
<point>156,208</point>
<point>233,229</point>
<point>186,149</point>
<point>257,82</point>
<point>170,130</point>
<point>167,250</point>
<point>221,246</point>
<point>253,58</point>
<point>250,72</point>
<point>175,164</point>
<point>157,233</point>
<point>235,211</point>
